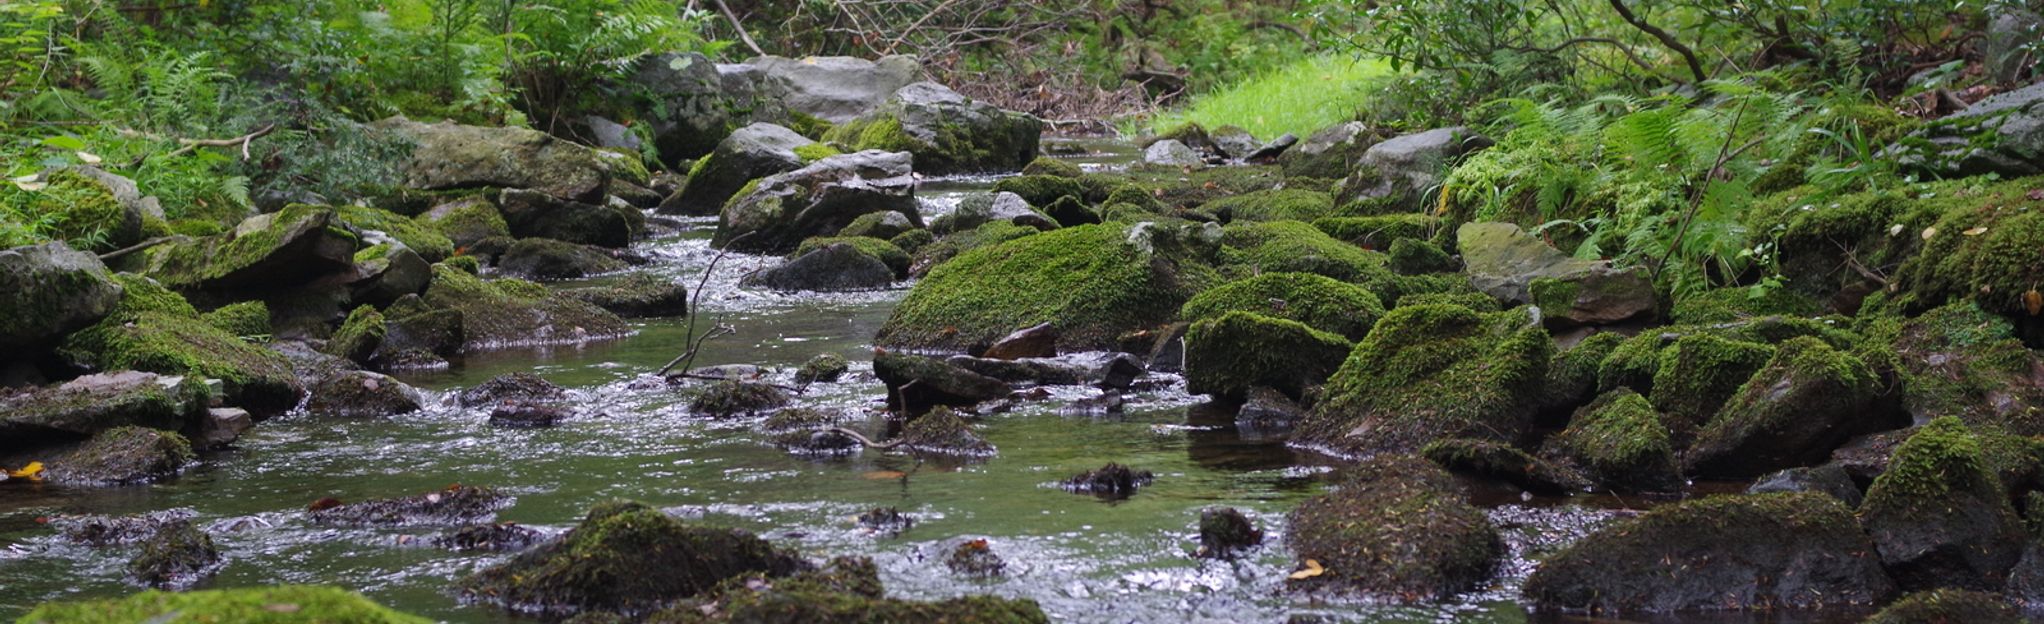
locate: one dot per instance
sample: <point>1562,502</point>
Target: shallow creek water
<point>1083,559</point>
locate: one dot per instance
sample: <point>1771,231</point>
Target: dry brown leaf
<point>2033,301</point>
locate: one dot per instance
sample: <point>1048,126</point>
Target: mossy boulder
<point>875,248</point>
<point>749,153</point>
<point>936,251</point>
<point>1498,461</point>
<point>1295,247</point>
<point>1946,606</point>
<point>1572,372</point>
<point>1808,400</point>
<point>549,259</point>
<point>507,313</point>
<point>1938,515</point>
<point>1228,354</point>
<point>283,604</point>
<point>1728,552</point>
<point>1431,372</point>
<point>775,213</point>
<point>94,403</point>
<point>423,239</point>
<point>451,156</point>
<point>155,330</point>
<point>1042,189</point>
<point>1421,541</point>
<point>947,132</point>
<point>50,290</point>
<point>293,246</point>
<point>880,225</point>
<point>359,337</point>
<point>247,319</point>
<point>1982,248</point>
<point>530,214</point>
<point>362,394</point>
<point>466,220</point>
<point>1273,205</point>
<point>626,558</point>
<point>1505,262</point>
<point>1412,256</point>
<point>1378,231</point>
<point>124,455</point>
<point>1320,302</point>
<point>1698,373</point>
<point>846,591</point>
<point>639,295</point>
<point>177,557</point>
<point>943,432</point>
<point>1092,283</point>
<point>1959,360</point>
<point>1401,171</point>
<point>1620,441</point>
<point>826,368</point>
<point>387,270</point>
<point>1045,165</point>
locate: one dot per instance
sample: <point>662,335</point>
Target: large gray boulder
<point>947,132</point>
<point>1330,152</point>
<point>698,102</point>
<point>1398,172</point>
<point>292,246</point>
<point>95,403</point>
<point>817,200</point>
<point>50,290</point>
<point>531,214</point>
<point>1171,153</point>
<point>837,267</point>
<point>450,156</point>
<point>839,88</point>
<point>980,209</point>
<point>1509,264</point>
<point>752,152</point>
<point>2003,134</point>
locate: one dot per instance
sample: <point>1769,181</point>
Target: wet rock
<point>838,89</point>
<point>1267,411</point>
<point>293,246</point>
<point>2026,581</point>
<point>155,330</point>
<point>51,290</point>
<point>1828,479</point>
<point>498,314</point>
<point>1228,355</point>
<point>825,368</point>
<point>1225,533</point>
<point>625,558</point>
<point>1517,267</point>
<point>95,403</point>
<point>1807,401</point>
<point>975,558</point>
<point>941,432</point>
<point>1106,370</point>
<point>1069,211</point>
<point>1399,172</point>
<point>820,199</point>
<point>1572,372</point>
<point>124,455</point>
<point>1330,152</point>
<point>221,426</point>
<point>175,558</point>
<point>466,221</point>
<point>227,605</point>
<point>1161,349</point>
<point>1443,546</point>
<point>947,132</point>
<point>979,209</point>
<point>886,520</point>
<point>454,156</point>
<point>726,399</point>
<point>1234,141</point>
<point>548,259</point>
<point>362,394</point>
<point>511,387</point>
<point>839,267</point>
<point>847,589</point>
<point>498,537</point>
<point>1949,605</point>
<point>532,214</point>
<point>113,530</point>
<point>750,153</point>
<point>1502,462</point>
<point>1939,517</point>
<point>1171,153</point>
<point>916,383</point>
<point>1270,152</point>
<point>640,295</point>
<point>526,415</point>
<point>1757,551</point>
<point>457,504</point>
<point>1113,481</point>
<point>1619,440</point>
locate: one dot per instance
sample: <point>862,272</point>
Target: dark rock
<point>1757,551</point>
<point>975,558</point>
<point>880,225</point>
<point>2026,581</point>
<point>1443,545</point>
<point>639,295</point>
<point>1272,150</point>
<point>221,426</point>
<point>531,214</point>
<point>1620,441</point>
<point>941,432</point>
<point>548,259</point>
<point>1399,172</point>
<point>457,504</point>
<point>1105,370</point>
<point>1224,533</point>
<point>750,153</point>
<point>1069,211</point>
<point>386,271</point>
<point>511,387</point>
<point>1807,401</point>
<point>114,530</point>
<point>817,200</point>
<point>824,368</point>
<point>916,383</point>
<point>2003,134</point>
<point>886,520</point>
<point>95,403</point>
<point>1268,411</point>
<point>1939,517</point>
<point>1514,266</point>
<point>626,558</point>
<point>498,314</point>
<point>525,415</point>
<point>498,537</point>
<point>124,455</point>
<point>1112,481</point>
<point>50,290</point>
<point>1234,142</point>
<point>1490,459</point>
<point>1948,606</point>
<point>177,557</point>
<point>1828,479</point>
<point>362,394</point>
<point>725,399</point>
<point>453,156</point>
<point>1035,341</point>
<point>838,267</point>
<point>839,88</point>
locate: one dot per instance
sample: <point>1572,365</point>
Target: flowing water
<point>1083,559</point>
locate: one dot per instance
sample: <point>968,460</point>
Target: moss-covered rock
<point>1421,541</point>
<point>1939,517</point>
<point>465,221</point>
<point>1698,373</point>
<point>549,259</point>
<point>1227,355</point>
<point>915,383</point>
<point>362,394</point>
<point>507,313</point>
<point>775,213</point>
<point>1743,552</point>
<point>888,254</point>
<point>1295,247</point>
<point>825,368</point>
<point>1380,231</point>
<point>1490,459</point>
<point>359,336</point>
<point>1620,441</point>
<point>531,214</point>
<point>839,266</point>
<point>1329,152</point>
<point>749,153</point>
<point>247,319</point>
<point>1412,256</point>
<point>50,290</point>
<point>284,604</point>
<point>1041,189</point>
<point>1286,204</point>
<point>947,132</point>
<point>1092,283</point>
<point>1959,360</point>
<point>881,225</point>
<point>943,432</point>
<point>1431,372</point>
<point>1724,305</point>
<point>454,156</point>
<point>178,556</point>
<point>91,209</point>
<point>424,240</point>
<point>639,295</point>
<point>124,455</point>
<point>732,397</point>
<point>292,246</point>
<point>1572,373</point>
<point>936,251</point>
<point>1809,399</point>
<point>94,403</point>
<point>846,591</point>
<point>155,330</point>
<point>1944,606</point>
<point>1224,533</point>
<point>1045,165</point>
<point>1318,301</point>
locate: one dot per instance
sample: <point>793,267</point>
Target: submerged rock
<point>526,415</point>
<point>886,520</point>
<point>124,455</point>
<point>1224,533</point>
<point>1421,541</point>
<point>113,530</point>
<point>511,387</point>
<point>498,537</point>
<point>1939,517</point>
<point>177,557</point>
<point>1110,481</point>
<point>728,398</point>
<point>50,290</point>
<point>457,504</point>
<point>916,383</point>
<point>947,132</point>
<point>975,558</point>
<point>625,558</point>
<point>1740,552</point>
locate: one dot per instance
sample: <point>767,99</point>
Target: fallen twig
<point>862,439</point>
<point>133,248</point>
<point>695,307</point>
<point>194,144</point>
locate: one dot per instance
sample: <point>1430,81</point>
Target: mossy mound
<point>1634,363</point>
<point>1412,256</point>
<point>1938,515</point>
<point>1042,190</point>
<point>465,221</point>
<point>1378,232</point>
<point>178,556</point>
<point>424,240</point>
<point>1959,360</point>
<point>1490,459</point>
<point>1743,552</point>
<point>1698,373</point>
<point>155,330</point>
<point>888,254</point>
<point>1421,541</point>
<point>1620,441</point>
<point>625,558</point>
<point>847,591</point>
<point>1949,606</point>
<point>509,312</point>
<point>124,455</point>
<point>1320,302</point>
<point>825,368</point>
<point>1724,305</point>
<point>247,319</point>
<point>359,336</point>
<point>881,225</point>
<point>1295,247</point>
<point>1091,282</point>
<point>1287,204</point>
<point>1225,356</point>
<point>936,251</point>
<point>50,290</point>
<point>1572,373</point>
<point>1983,247</point>
<point>1045,165</point>
<point>1431,372</point>
<point>1174,188</point>
<point>1809,399</point>
<point>284,604</point>
<point>942,432</point>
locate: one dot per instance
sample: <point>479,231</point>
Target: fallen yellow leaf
<point>27,472</point>
<point>1313,569</point>
<point>1975,231</point>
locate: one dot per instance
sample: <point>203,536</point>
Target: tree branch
<point>1695,66</point>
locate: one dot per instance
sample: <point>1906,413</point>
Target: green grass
<point>1306,95</point>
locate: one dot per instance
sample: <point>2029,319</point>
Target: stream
<point>1083,559</point>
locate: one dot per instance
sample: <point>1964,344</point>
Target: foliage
<point>1299,97</point>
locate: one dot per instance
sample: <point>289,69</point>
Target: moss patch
<point>1227,355</point>
<point>286,604</point>
<point>888,254</point>
<point>247,319</point>
<point>1295,247</point>
<point>1320,302</point>
<point>424,240</point>
<point>1620,441</point>
<point>1273,205</point>
<point>155,330</point>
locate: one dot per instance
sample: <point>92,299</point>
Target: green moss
<point>847,591</point>
<point>1089,282</point>
<point>1437,544</point>
<point>1412,256</point>
<point>888,254</point>
<point>196,228</point>
<point>465,264</point>
<point>731,397</point>
<point>1620,441</point>
<point>359,336</point>
<point>1985,248</point>
<point>425,241</point>
<point>1938,463</point>
<point>508,312</point>
<point>247,319</point>
<point>1490,459</point>
<point>875,224</point>
<point>625,166</point>
<point>81,212</point>
<point>1320,302</point>
<point>1040,189</point>
<point>1430,372</point>
<point>1724,305</point>
<point>1135,196</point>
<point>1572,373</point>
<point>1295,247</point>
<point>1273,205</point>
<point>1959,360</point>
<point>285,604</point>
<point>1807,400</point>
<point>1227,355</point>
<point>940,250</point>
<point>1378,232</point>
<point>826,367</point>
<point>815,151</point>
<point>1699,372</point>
<point>1473,300</point>
<point>1176,189</point>
<point>124,455</point>
<point>811,126</point>
<point>154,330</point>
<point>1553,294</point>
<point>465,223</point>
<point>913,241</point>
<point>203,262</point>
<point>1047,166</point>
